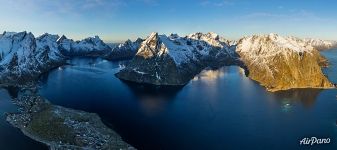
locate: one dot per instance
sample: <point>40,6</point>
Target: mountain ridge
<point>282,63</point>
<point>169,59</point>
<point>171,52</point>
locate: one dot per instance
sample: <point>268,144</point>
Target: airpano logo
<point>314,140</point>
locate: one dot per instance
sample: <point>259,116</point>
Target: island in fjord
<point>276,62</point>
<point>168,74</point>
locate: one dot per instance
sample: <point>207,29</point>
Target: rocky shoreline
<point>277,63</point>
<point>60,127</point>
<point>283,63</point>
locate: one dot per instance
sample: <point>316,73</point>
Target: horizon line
<point>78,38</point>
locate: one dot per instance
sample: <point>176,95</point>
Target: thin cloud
<point>150,2</point>
<point>65,7</point>
<point>220,3</point>
<point>291,15</point>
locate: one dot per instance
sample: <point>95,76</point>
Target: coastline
<point>62,128</point>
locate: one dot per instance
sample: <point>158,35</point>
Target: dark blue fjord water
<point>219,109</point>
<point>11,138</point>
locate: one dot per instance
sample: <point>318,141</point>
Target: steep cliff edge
<point>174,60</point>
<point>23,57</point>
<point>281,63</point>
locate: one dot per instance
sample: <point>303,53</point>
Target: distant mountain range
<point>277,62</point>
<point>321,44</point>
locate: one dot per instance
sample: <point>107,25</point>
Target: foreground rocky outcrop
<point>126,50</point>
<point>174,60</point>
<point>321,44</point>
<point>281,63</point>
<point>62,128</point>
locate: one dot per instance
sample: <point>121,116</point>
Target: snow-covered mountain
<point>126,50</point>
<point>24,57</point>
<point>174,60</point>
<point>321,44</point>
<point>281,63</point>
<point>277,62</point>
<point>92,46</point>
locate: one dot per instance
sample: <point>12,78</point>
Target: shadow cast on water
<point>153,99</point>
<point>307,97</point>
<point>154,91</point>
<point>13,91</point>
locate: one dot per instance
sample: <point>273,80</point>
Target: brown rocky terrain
<point>280,63</point>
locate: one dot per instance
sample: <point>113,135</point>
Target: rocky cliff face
<point>280,63</point>
<point>92,46</point>
<point>174,60</point>
<point>321,44</point>
<point>24,57</point>
<point>126,50</point>
<point>47,53</point>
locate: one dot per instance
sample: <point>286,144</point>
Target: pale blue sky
<point>118,20</point>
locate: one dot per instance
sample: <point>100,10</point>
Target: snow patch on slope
<point>182,49</point>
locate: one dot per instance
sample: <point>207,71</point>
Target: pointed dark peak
<point>174,35</point>
<point>139,40</point>
<point>128,41</point>
<point>63,37</point>
<point>153,35</point>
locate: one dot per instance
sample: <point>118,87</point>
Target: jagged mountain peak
<point>126,50</point>
<point>182,49</point>
<point>153,35</point>
<point>49,37</point>
<point>128,44</point>
<point>321,44</point>
<point>94,39</point>
<point>200,35</point>
<point>17,36</point>
<point>63,37</point>
<point>281,63</point>
<point>174,60</point>
<point>211,38</point>
<point>174,35</point>
<point>6,33</point>
<point>128,41</point>
<point>139,40</point>
<point>22,56</point>
<point>276,43</point>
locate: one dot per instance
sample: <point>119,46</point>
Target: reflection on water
<point>209,76</point>
<point>307,97</point>
<point>215,110</point>
<point>153,98</point>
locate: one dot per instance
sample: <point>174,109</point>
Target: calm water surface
<point>11,138</point>
<point>219,109</point>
